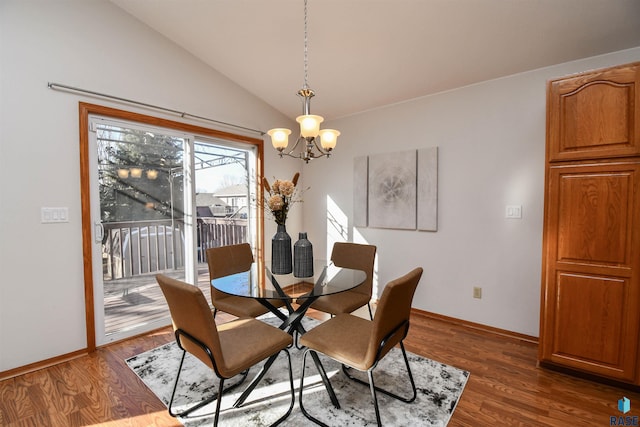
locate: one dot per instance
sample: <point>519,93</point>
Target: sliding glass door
<point>159,199</point>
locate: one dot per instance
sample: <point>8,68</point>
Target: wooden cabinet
<point>594,115</point>
<point>590,311</point>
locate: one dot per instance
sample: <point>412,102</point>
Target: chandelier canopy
<point>313,141</point>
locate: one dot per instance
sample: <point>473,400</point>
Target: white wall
<point>92,45</point>
<point>491,139</point>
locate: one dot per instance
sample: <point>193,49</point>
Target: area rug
<point>439,389</point>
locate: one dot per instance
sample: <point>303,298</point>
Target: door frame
<point>87,109</point>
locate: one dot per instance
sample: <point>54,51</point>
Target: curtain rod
<point>58,86</point>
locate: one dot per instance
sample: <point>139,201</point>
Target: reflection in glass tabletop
<point>328,279</point>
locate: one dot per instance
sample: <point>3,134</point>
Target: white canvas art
<point>428,189</point>
<point>392,190</point>
<point>397,190</point>
<point>360,190</point>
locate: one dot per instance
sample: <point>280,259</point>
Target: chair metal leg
<point>372,387</point>
<point>293,393</point>
<point>325,379</point>
<point>175,386</point>
<point>204,402</point>
<point>255,382</point>
<point>217,414</point>
<point>370,312</point>
<point>304,411</point>
<point>173,393</point>
<point>346,368</point>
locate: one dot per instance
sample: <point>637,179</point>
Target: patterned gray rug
<point>439,389</point>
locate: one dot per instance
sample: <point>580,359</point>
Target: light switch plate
<point>52,215</point>
<point>513,211</point>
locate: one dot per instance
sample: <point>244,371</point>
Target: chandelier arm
<point>289,153</point>
<point>307,153</point>
<point>320,149</point>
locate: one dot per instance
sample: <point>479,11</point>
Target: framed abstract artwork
<point>392,190</point>
<point>397,190</point>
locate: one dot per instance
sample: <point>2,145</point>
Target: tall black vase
<point>281,252</point>
<point>303,257</point>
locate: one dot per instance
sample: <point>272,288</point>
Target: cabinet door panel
<point>591,299</point>
<point>593,217</point>
<point>590,323</point>
<point>594,115</point>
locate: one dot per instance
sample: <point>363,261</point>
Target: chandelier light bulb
<point>279,138</point>
<point>309,125</point>
<point>328,138</point>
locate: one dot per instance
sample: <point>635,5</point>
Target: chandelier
<point>313,142</point>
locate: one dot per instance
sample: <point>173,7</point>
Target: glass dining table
<point>328,279</point>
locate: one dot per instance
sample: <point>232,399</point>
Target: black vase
<point>281,252</point>
<point>303,257</point>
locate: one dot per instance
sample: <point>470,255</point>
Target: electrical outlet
<point>477,292</point>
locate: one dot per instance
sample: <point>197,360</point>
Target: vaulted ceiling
<point>364,54</point>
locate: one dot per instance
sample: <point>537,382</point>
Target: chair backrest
<point>357,256</point>
<point>227,260</point>
<point>190,313</point>
<point>394,308</point>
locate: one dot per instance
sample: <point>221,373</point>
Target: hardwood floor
<point>505,388</point>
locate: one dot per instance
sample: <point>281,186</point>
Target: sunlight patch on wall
<point>337,225</point>
<point>359,238</point>
<point>338,231</point>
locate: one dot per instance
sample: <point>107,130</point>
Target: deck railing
<point>135,248</point>
<point>216,232</point>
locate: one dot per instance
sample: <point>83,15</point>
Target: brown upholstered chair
<point>229,349</point>
<point>359,257</point>
<point>359,343</point>
<point>225,261</point>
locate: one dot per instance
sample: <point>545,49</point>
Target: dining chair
<point>360,344</point>
<point>229,349</point>
<point>225,261</point>
<point>350,255</point>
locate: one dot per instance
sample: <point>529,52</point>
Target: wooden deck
<point>132,302</point>
<point>140,301</point>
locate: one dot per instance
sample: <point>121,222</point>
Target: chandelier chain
<point>306,59</point>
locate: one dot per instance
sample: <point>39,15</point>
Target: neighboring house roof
<point>238,190</point>
<point>209,199</point>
